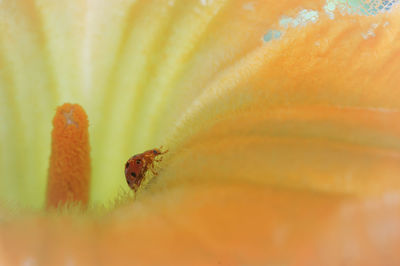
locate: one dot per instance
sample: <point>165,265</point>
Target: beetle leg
<point>163,152</point>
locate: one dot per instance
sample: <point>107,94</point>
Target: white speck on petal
<point>271,34</point>
<point>360,7</point>
<point>371,32</point>
<point>303,18</point>
<point>329,9</point>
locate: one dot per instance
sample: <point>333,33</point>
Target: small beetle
<point>136,167</point>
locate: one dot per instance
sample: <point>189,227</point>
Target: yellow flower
<point>281,117</point>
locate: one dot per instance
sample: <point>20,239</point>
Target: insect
<point>138,165</point>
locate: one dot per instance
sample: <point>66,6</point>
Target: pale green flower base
<point>148,73</point>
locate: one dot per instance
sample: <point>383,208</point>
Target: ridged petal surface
<point>281,117</point>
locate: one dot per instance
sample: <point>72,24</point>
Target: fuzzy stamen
<point>69,171</point>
